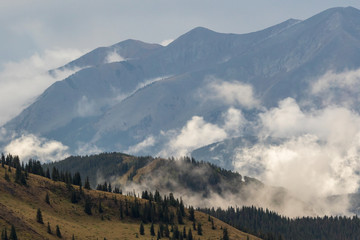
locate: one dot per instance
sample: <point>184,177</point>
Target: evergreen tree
<point>13,235</point>
<point>100,207</point>
<point>87,207</point>
<point>73,237</point>
<point>47,174</point>
<point>152,230</point>
<point>225,234</point>
<point>121,210</point>
<point>189,235</point>
<point>166,231</point>
<point>47,198</point>
<point>184,232</point>
<point>58,233</point>
<point>39,218</point>
<point>49,228</point>
<point>7,178</point>
<point>158,234</point>
<point>199,229</point>
<point>179,216</point>
<point>141,230</point>
<point>74,197</point>
<point>4,235</point>
<point>212,224</point>
<point>87,183</point>
<point>191,214</point>
<point>2,160</point>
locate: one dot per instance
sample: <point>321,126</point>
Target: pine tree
<point>152,230</point>
<point>141,230</point>
<point>4,235</point>
<point>121,210</point>
<point>179,216</point>
<point>191,214</point>
<point>199,229</point>
<point>39,218</point>
<point>212,224</point>
<point>87,207</point>
<point>47,174</point>
<point>225,234</point>
<point>73,237</point>
<point>7,178</point>
<point>2,160</point>
<point>167,233</point>
<point>158,234</point>
<point>74,197</point>
<point>58,233</point>
<point>87,183</point>
<point>189,235</point>
<point>49,228</point>
<point>184,232</point>
<point>47,198</point>
<point>100,208</point>
<point>13,235</point>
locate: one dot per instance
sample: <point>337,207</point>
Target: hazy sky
<point>39,35</point>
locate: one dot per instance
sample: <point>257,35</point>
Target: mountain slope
<point>158,90</point>
<point>19,206</point>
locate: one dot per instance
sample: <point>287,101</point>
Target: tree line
<point>269,225</point>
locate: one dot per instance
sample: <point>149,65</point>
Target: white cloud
<point>337,125</point>
<point>42,149</point>
<point>166,42</point>
<point>338,89</point>
<point>142,146</point>
<point>21,82</point>
<point>113,57</point>
<point>317,157</point>
<point>234,121</point>
<point>232,93</point>
<point>196,133</point>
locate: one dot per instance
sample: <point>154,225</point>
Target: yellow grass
<point>19,204</point>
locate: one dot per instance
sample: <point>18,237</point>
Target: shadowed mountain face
<point>131,91</point>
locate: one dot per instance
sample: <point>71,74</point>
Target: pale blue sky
<point>27,27</point>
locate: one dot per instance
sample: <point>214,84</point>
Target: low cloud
<point>318,156</point>
<point>21,82</point>
<point>198,133</point>
<point>232,93</point>
<point>39,148</point>
<point>142,146</point>
<point>113,57</point>
<point>338,89</point>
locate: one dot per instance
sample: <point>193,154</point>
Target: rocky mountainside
<point>136,97</point>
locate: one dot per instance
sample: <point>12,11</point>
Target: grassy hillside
<point>19,205</point>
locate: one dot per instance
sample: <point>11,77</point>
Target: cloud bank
<point>39,148</point>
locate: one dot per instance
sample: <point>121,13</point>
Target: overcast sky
<point>38,35</point>
<point>32,26</point>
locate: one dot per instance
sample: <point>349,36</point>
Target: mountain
<point>19,206</point>
<point>140,104</point>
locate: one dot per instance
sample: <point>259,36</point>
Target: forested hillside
<point>270,225</point>
<point>35,206</point>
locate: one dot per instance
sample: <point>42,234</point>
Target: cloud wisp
<point>21,82</point>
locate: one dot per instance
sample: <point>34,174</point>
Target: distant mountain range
<point>138,97</point>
